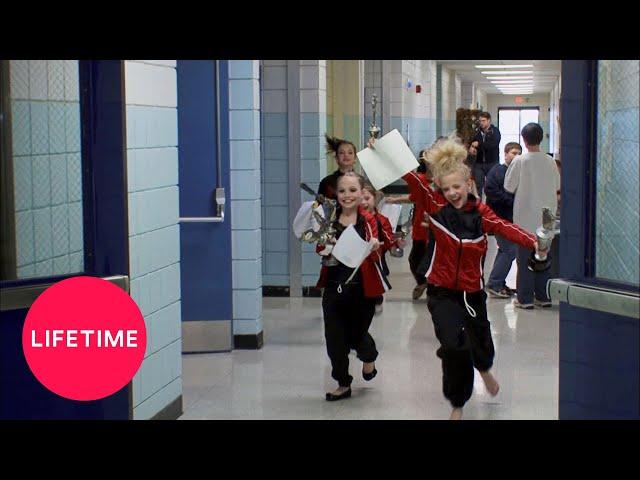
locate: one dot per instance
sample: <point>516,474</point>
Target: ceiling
<point>545,73</point>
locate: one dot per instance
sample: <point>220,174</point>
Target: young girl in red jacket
<point>370,198</point>
<point>349,296</point>
<point>459,223</point>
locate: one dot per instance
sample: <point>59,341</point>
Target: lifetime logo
<point>69,338</point>
<point>84,338</point>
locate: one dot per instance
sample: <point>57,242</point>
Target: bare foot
<point>456,414</point>
<point>368,367</point>
<point>490,383</point>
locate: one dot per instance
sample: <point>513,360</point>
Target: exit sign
<point>519,100</point>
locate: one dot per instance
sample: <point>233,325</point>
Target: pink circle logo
<point>84,338</point>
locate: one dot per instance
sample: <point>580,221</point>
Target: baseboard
<point>248,342</point>
<point>171,411</point>
<point>275,291</point>
<point>311,292</point>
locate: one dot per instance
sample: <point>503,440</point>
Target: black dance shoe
<point>369,376</point>
<point>332,398</point>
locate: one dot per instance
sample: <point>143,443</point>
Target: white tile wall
<point>150,85</point>
<point>154,235</point>
<point>245,182</point>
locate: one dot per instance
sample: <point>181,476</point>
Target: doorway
<point>510,123</point>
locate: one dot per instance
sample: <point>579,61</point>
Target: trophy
<point>539,262</point>
<point>325,235</point>
<point>405,228</point>
<point>374,130</point>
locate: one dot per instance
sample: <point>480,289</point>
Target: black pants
<point>465,341</point>
<point>418,249</point>
<point>480,171</point>
<point>347,317</point>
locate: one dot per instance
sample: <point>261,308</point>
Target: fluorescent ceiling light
<point>508,72</point>
<point>503,66</point>
<point>511,77</point>
<point>511,82</point>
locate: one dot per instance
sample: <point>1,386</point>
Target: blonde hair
<point>447,156</point>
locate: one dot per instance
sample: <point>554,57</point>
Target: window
<point>510,123</point>
<point>617,255</point>
<point>42,213</point>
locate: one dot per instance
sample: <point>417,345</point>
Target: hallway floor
<point>288,377</point>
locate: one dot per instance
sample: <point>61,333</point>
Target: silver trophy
<point>326,234</point>
<point>539,262</point>
<point>374,130</point>
<point>405,229</point>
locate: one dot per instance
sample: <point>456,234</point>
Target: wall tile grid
<point>45,120</point>
<point>247,241</point>
<point>154,234</point>
<point>313,125</point>
<point>274,137</point>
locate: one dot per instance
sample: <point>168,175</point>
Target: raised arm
<point>432,201</point>
<point>491,223</point>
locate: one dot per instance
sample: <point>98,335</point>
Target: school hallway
<point>288,377</point>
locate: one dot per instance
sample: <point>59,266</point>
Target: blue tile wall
<point>245,154</point>
<point>45,131</point>
<point>246,214</point>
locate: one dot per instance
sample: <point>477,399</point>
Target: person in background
<point>535,181</point>
<point>487,143</point>
<point>370,198</point>
<point>344,152</point>
<point>501,202</point>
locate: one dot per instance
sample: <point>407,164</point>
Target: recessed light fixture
<point>511,82</point>
<point>508,72</point>
<point>504,66</point>
<point>511,77</point>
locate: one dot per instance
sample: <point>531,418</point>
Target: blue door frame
<point>599,352</point>
<point>106,248</point>
<point>205,259</point>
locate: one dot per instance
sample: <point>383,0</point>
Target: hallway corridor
<point>288,377</point>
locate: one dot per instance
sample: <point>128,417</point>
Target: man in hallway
<point>487,144</point>
<point>535,180</point>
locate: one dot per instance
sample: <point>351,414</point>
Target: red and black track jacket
<point>418,231</point>
<point>460,238</point>
<point>371,270</point>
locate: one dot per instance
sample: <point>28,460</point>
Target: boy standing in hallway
<point>501,202</point>
<point>535,181</point>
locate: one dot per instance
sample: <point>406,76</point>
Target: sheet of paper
<point>350,248</point>
<point>392,212</point>
<point>304,220</point>
<point>388,161</point>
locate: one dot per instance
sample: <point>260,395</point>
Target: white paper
<point>305,220</point>
<point>388,161</point>
<point>350,248</point>
<point>392,212</point>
